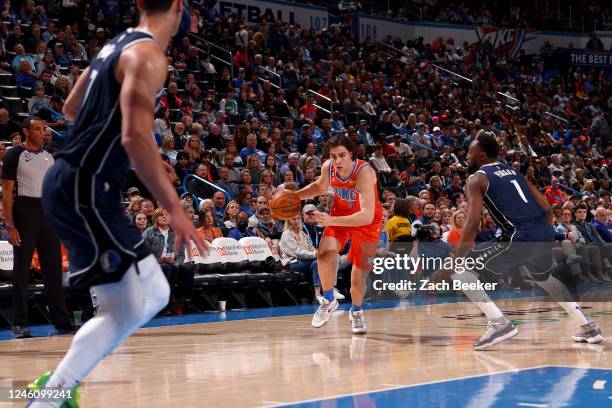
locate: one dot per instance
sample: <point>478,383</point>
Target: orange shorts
<point>364,240</point>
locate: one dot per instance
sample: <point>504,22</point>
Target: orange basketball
<point>285,205</point>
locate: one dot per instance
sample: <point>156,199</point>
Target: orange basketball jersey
<point>346,199</point>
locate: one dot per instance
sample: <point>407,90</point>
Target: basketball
<point>285,205</point>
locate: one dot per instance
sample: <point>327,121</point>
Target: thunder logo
<point>348,195</point>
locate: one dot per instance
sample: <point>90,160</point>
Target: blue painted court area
<point>543,387</point>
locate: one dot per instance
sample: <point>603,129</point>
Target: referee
<point>24,168</point>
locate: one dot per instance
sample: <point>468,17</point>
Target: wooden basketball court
<point>411,356</point>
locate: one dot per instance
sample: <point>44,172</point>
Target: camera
<point>424,232</point>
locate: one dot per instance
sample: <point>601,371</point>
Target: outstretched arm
<point>142,71</point>
<point>474,191</point>
<point>75,99</point>
<point>318,187</point>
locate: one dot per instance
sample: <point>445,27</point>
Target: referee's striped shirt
<point>27,168</point>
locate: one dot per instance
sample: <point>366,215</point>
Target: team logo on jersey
<point>109,261</point>
<point>348,195</point>
<point>106,51</point>
<point>352,182</point>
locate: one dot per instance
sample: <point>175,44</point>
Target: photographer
<point>429,210</point>
<point>430,247</point>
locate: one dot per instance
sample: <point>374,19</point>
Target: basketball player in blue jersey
<point>525,218</point>
<point>112,106</point>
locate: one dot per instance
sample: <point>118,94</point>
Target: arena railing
<point>558,118</point>
<point>56,116</point>
<point>269,73</point>
<point>409,57</point>
<point>331,103</point>
<point>200,179</point>
<point>211,45</point>
<point>455,77</point>
<point>514,103</point>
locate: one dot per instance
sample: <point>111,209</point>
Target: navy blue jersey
<point>509,200</point>
<point>95,142</point>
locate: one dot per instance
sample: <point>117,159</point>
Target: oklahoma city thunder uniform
<point>82,191</point>
<point>364,238</point>
<point>527,237</point>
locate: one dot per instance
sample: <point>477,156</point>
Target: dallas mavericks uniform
<point>82,191</point>
<point>527,237</point>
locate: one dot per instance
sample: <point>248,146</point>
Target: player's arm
<point>318,187</point>
<point>141,70</point>
<point>366,183</point>
<point>542,201</point>
<point>8,187</point>
<point>474,193</point>
<point>75,98</point>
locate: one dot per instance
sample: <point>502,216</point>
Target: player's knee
<point>356,278</point>
<point>161,296</point>
<point>155,282</point>
<point>327,256</point>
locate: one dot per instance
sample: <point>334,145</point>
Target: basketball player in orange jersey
<point>356,214</point>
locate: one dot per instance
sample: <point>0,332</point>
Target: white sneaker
<point>324,311</point>
<point>338,295</point>
<point>357,322</point>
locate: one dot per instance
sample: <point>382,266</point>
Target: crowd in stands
<point>572,15</point>
<point>233,126</point>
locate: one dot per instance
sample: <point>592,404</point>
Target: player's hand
<point>169,170</point>
<point>186,234</point>
<point>13,237</point>
<point>323,218</point>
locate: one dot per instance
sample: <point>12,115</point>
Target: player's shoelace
<point>324,307</point>
<point>358,320</point>
<point>492,328</point>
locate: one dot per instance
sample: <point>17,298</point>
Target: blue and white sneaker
<point>357,322</point>
<point>324,311</point>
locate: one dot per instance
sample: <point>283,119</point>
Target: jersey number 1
<point>520,191</point>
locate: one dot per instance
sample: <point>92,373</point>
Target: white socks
<point>479,297</point>
<point>558,292</point>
